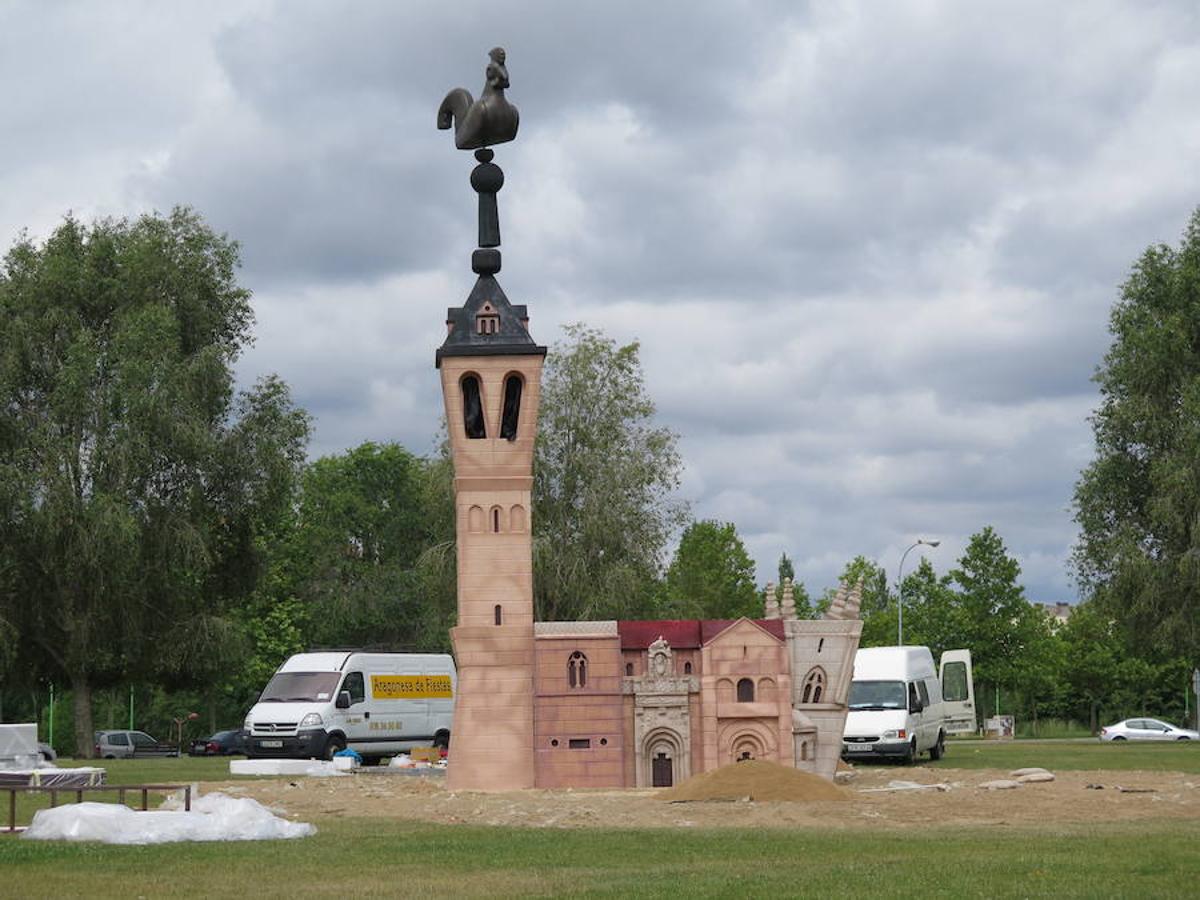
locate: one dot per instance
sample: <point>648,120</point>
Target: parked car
<point>1146,730</point>
<point>223,743</point>
<point>130,744</point>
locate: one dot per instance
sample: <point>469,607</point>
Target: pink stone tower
<point>491,377</point>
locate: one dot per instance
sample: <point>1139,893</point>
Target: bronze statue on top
<point>489,120</point>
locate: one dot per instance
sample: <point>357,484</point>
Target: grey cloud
<point>869,249</point>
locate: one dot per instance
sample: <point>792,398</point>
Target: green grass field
<point>1182,756</point>
<point>374,858</point>
<point>377,857</point>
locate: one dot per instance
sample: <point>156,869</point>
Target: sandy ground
<point>1067,801</point>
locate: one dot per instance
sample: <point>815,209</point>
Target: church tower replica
<point>491,375</point>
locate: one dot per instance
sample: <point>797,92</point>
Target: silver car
<point>1146,730</point>
<point>130,744</point>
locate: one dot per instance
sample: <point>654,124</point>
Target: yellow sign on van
<point>411,687</point>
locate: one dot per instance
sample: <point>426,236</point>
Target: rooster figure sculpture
<point>489,120</point>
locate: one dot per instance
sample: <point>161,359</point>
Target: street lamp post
<point>900,587</point>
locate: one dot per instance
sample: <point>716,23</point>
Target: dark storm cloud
<point>869,249</point>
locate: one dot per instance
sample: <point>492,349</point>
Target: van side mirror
<point>343,700</point>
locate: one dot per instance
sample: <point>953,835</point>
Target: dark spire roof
<point>505,335</point>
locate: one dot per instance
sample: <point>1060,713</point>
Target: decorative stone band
<point>648,684</point>
<point>575,629</point>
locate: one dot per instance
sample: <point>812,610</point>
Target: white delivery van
<point>375,703</point>
<point>895,705</point>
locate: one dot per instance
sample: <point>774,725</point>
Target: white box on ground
<point>285,767</point>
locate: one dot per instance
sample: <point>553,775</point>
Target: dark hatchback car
<point>223,743</point>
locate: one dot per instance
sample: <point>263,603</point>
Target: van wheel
<point>938,750</point>
<point>335,745</point>
<point>908,758</point>
<point>441,740</point>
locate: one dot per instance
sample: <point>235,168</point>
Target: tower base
<point>491,748</point>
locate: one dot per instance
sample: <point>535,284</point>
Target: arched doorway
<point>662,762</point>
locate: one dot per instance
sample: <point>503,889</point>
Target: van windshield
<point>877,695</point>
<point>300,686</point>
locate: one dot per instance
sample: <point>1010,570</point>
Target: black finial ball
<point>487,177</point>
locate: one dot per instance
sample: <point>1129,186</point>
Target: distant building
<point>1058,612</point>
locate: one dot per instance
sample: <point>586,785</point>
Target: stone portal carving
<point>661,720</point>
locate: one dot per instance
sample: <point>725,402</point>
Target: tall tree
<point>363,525</point>
<point>605,477</point>
<point>711,575</point>
<point>132,481</point>
<point>1138,503</point>
<point>991,616</point>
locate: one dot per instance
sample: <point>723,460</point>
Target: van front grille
<point>264,729</point>
<point>860,740</point>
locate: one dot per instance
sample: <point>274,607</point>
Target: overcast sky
<point>869,249</point>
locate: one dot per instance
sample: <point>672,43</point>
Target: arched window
<point>516,519</point>
<point>496,519</point>
<point>512,407</point>
<point>472,407</point>
<point>687,668</point>
<point>745,691</point>
<point>814,686</point>
<point>577,670</point>
<point>629,668</point>
<point>803,750</point>
<point>498,614</point>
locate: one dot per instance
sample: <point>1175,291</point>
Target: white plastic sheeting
<point>214,817</point>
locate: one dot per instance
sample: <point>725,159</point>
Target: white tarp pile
<point>214,817</point>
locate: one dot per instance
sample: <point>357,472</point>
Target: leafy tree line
<point>160,529</point>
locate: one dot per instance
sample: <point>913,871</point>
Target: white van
<point>895,705</point>
<point>375,703</point>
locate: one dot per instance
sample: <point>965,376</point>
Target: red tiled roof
<point>683,634</point>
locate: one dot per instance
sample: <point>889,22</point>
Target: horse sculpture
<point>489,120</point>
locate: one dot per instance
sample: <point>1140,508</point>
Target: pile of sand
<point>756,779</point>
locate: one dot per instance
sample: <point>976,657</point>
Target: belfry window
<point>512,407</point>
<point>745,691</point>
<point>577,670</point>
<point>814,686</point>
<point>472,407</point>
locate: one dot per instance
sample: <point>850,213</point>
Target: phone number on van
<point>410,687</point>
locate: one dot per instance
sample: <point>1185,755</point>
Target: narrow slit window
<point>472,408</point>
<point>579,743</point>
<point>496,521</point>
<point>499,615</point>
<point>512,407</point>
